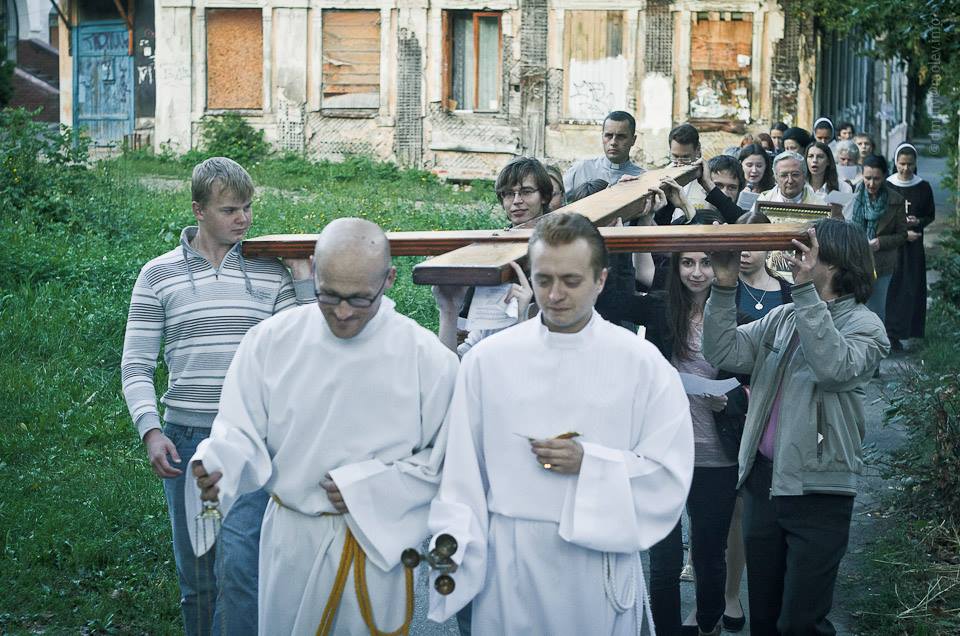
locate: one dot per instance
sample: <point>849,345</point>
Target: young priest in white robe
<point>569,450</point>
<point>335,410</point>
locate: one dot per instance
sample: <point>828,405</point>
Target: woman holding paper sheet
<point>713,491</point>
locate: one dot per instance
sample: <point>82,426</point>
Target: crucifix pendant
<point>758,306</point>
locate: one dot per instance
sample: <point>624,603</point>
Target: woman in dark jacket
<point>881,213</point>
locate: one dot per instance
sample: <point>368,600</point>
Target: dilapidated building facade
<point>461,86</point>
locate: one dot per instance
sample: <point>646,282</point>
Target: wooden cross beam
<point>482,257</point>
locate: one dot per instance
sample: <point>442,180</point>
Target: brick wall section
<point>658,51</point>
<point>408,138</point>
<point>533,75</point>
<point>39,59</point>
<point>785,75</point>
<point>32,93</point>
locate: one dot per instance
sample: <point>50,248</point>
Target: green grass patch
<point>85,533</point>
<point>911,578</point>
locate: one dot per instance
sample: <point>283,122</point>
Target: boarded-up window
<point>720,48</point>
<point>351,59</point>
<point>472,60</point>
<point>596,70</point>
<point>234,58</point>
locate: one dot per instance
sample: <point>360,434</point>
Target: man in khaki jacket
<point>801,448</point>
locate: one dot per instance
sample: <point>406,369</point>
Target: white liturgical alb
<point>299,403</point>
<point>547,553</point>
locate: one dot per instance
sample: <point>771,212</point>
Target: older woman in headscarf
<point>907,305</point>
<point>880,212</point>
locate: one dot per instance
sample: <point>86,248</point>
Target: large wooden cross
<point>483,257</point>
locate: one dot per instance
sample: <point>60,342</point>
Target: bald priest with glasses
<point>334,409</point>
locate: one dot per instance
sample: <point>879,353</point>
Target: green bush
<point>43,170</point>
<point>6,77</point>
<point>928,405</point>
<point>947,262</point>
<point>230,136</point>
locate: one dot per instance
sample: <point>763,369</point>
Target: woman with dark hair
<point>776,133</point>
<point>767,142</point>
<point>713,491</point>
<point>759,291</point>
<point>880,212</point>
<point>796,139</point>
<point>907,297</point>
<point>801,450</point>
<point>756,168</point>
<point>822,169</point>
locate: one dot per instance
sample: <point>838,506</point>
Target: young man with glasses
<point>524,189</point>
<point>333,409</point>
<point>197,301</point>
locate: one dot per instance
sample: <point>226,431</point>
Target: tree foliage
<point>923,33</point>
<point>6,77</point>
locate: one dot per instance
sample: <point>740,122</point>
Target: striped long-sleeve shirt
<point>198,314</point>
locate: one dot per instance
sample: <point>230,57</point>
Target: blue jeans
<point>233,562</point>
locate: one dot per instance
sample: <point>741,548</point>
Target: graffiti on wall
<point>596,87</point>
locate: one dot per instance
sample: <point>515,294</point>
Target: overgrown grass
<point>378,183</point>
<point>912,573</point>
<point>85,534</point>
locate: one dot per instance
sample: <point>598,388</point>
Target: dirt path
<point>870,515</point>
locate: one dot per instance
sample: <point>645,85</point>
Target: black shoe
<point>895,344</point>
<point>732,624</point>
<point>689,630</point>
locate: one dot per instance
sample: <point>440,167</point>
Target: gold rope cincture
<point>354,554</point>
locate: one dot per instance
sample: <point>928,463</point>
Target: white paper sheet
<point>841,198</point>
<point>696,385</point>
<point>746,199</point>
<point>488,311</point>
<point>848,173</point>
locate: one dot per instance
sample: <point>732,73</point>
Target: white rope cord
<point>634,597</point>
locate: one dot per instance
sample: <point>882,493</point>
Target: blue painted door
<point>103,82</point>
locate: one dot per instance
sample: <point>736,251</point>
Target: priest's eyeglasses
<point>360,302</point>
<point>510,195</point>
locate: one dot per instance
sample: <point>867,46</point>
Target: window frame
<point>447,67</point>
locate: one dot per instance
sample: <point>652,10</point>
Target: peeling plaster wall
<point>174,63</point>
<point>550,106</point>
